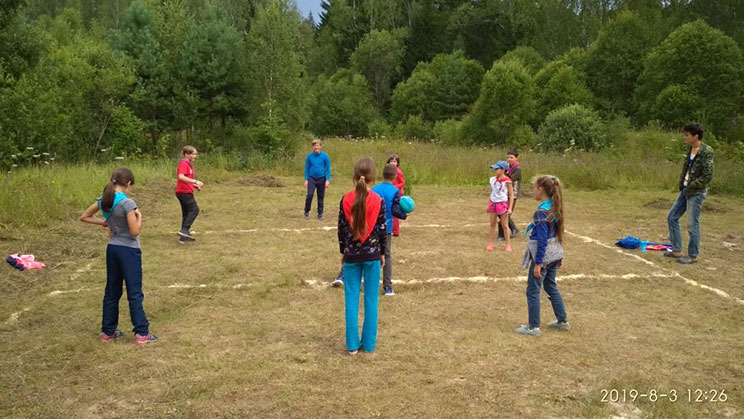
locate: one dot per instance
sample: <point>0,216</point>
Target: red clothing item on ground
<point>185,168</point>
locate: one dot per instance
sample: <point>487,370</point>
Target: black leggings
<point>189,209</point>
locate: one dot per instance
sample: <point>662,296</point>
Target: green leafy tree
<point>706,65</point>
<point>529,57</point>
<point>212,65</point>
<point>378,57</point>
<point>156,98</point>
<point>572,127</point>
<point>343,23</point>
<point>559,84</point>
<point>343,105</point>
<point>445,88</point>
<point>613,62</point>
<point>506,103</point>
<point>276,68</point>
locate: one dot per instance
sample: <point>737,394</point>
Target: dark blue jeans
<point>123,265</point>
<point>533,293</point>
<point>314,183</point>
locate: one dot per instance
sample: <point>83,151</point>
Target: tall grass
<point>646,160</point>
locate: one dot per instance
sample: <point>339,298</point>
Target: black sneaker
<point>320,217</point>
<point>307,216</point>
<point>186,235</point>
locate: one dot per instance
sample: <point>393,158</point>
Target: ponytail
<point>554,190</point>
<point>359,210</point>
<point>364,172</point>
<point>107,197</point>
<point>120,176</point>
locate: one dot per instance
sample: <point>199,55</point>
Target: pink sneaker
<point>489,247</point>
<point>143,339</point>
<point>116,335</point>
<point>508,248</point>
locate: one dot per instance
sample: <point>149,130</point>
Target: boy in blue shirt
<point>317,176</point>
<point>391,195</point>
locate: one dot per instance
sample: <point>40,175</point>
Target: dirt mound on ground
<point>266,181</point>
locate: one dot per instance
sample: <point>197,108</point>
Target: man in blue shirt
<point>317,176</point>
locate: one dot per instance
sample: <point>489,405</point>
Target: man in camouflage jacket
<point>697,172</point>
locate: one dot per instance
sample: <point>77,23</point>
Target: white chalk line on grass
<point>324,284</point>
<point>332,228</point>
<point>674,274</point>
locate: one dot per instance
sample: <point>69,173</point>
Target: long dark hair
<point>364,173</point>
<point>120,176</point>
<point>554,190</point>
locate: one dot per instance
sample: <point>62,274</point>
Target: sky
<point>307,6</point>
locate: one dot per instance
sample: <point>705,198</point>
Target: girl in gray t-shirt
<point>123,256</point>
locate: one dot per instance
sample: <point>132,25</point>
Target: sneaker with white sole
<point>143,339</point>
<point>526,330</point>
<point>555,324</point>
<point>107,338</point>
<point>186,235</point>
<point>389,291</point>
<point>338,282</point>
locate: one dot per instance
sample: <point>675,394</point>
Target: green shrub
<point>448,131</point>
<point>414,128</point>
<point>572,127</point>
<point>378,128</point>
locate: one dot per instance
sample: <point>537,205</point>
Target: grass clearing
<point>249,327</point>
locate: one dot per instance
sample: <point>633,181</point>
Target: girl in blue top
<point>123,256</point>
<point>544,254</point>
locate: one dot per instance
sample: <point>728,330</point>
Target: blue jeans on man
<point>533,293</point>
<point>693,206</point>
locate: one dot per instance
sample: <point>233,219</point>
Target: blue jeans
<point>123,265</point>
<point>533,293</point>
<point>693,206</point>
<point>353,273</point>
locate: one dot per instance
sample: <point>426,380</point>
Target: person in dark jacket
<point>697,172</point>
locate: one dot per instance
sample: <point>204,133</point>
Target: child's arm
<point>510,188</point>
<point>88,216</point>
<point>328,170</point>
<point>134,221</point>
<point>382,231</point>
<point>185,179</point>
<point>400,181</point>
<point>307,168</point>
<point>395,209</point>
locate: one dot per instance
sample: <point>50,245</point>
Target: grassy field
<point>249,327</point>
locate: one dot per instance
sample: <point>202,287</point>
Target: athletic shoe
<point>307,216</point>
<point>143,339</point>
<point>338,282</point>
<point>671,255</point>
<point>687,260</point>
<point>508,248</point>
<point>186,235</point>
<point>354,352</point>
<point>116,335</point>
<point>526,330</point>
<point>489,247</point>
<point>320,217</point>
<point>559,325</point>
<point>389,291</point>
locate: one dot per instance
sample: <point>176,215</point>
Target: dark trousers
<point>123,265</point>
<point>512,226</point>
<point>189,209</point>
<point>314,183</point>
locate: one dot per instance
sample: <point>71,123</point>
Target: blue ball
<point>407,204</point>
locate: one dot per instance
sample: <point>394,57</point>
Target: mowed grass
<point>261,334</point>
